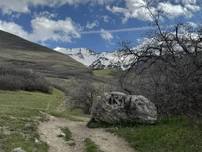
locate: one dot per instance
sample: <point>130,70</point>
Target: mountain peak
<point>97,60</point>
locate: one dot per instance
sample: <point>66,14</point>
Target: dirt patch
<point>107,142</point>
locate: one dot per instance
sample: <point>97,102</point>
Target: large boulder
<point>117,108</point>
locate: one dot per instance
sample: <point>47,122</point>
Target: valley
<point>56,120</point>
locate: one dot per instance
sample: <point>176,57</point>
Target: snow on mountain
<point>114,59</point>
<point>82,55</point>
<point>104,60</point>
<point>95,60</point>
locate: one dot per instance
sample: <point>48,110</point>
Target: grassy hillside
<point>17,52</point>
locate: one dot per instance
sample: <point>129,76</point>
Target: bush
<point>83,95</point>
<point>22,79</point>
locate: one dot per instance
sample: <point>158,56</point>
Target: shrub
<point>83,96</point>
<point>22,79</point>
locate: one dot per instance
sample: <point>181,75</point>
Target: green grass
<point>67,132</point>
<point>27,104</point>
<point>108,73</point>
<point>20,113</point>
<point>171,135</point>
<point>90,146</point>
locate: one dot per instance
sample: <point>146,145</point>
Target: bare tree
<point>173,65</point>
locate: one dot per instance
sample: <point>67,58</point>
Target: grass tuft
<point>68,134</point>
<point>90,146</point>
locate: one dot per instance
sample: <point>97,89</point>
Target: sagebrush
<point>22,79</point>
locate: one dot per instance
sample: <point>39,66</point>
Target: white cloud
<point>106,35</point>
<point>23,6</point>
<point>92,25</point>
<point>194,25</point>
<point>13,5</point>
<point>175,10</point>
<point>172,10</point>
<point>136,8</point>
<point>133,9</point>
<point>44,29</point>
<point>106,18</point>
<point>58,30</point>
<point>44,14</point>
<point>13,28</point>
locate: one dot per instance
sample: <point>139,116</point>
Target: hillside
<point>18,52</point>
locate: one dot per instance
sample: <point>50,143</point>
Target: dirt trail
<point>107,142</point>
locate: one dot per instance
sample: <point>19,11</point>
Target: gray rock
<point>36,141</point>
<point>19,149</point>
<point>117,107</point>
<point>62,134</point>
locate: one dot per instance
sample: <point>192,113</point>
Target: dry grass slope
<point>17,52</point>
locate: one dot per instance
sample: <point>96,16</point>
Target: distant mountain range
<point>95,60</point>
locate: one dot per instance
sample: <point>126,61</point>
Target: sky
<point>99,25</point>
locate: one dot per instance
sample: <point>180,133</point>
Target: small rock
<point>36,140</point>
<point>61,134</point>
<point>19,149</point>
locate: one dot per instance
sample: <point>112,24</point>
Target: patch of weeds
<point>90,146</point>
<point>67,133</point>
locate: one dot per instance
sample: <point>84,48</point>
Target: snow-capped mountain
<point>97,60</point>
<point>82,55</point>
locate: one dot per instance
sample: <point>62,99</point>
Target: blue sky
<point>96,24</point>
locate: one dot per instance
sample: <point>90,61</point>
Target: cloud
<point>175,10</point>
<point>194,25</point>
<point>137,8</point>
<point>133,9</point>
<point>45,14</point>
<point>106,35</point>
<point>106,18</point>
<point>13,28</point>
<point>23,6</point>
<point>45,29</point>
<point>92,25</point>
